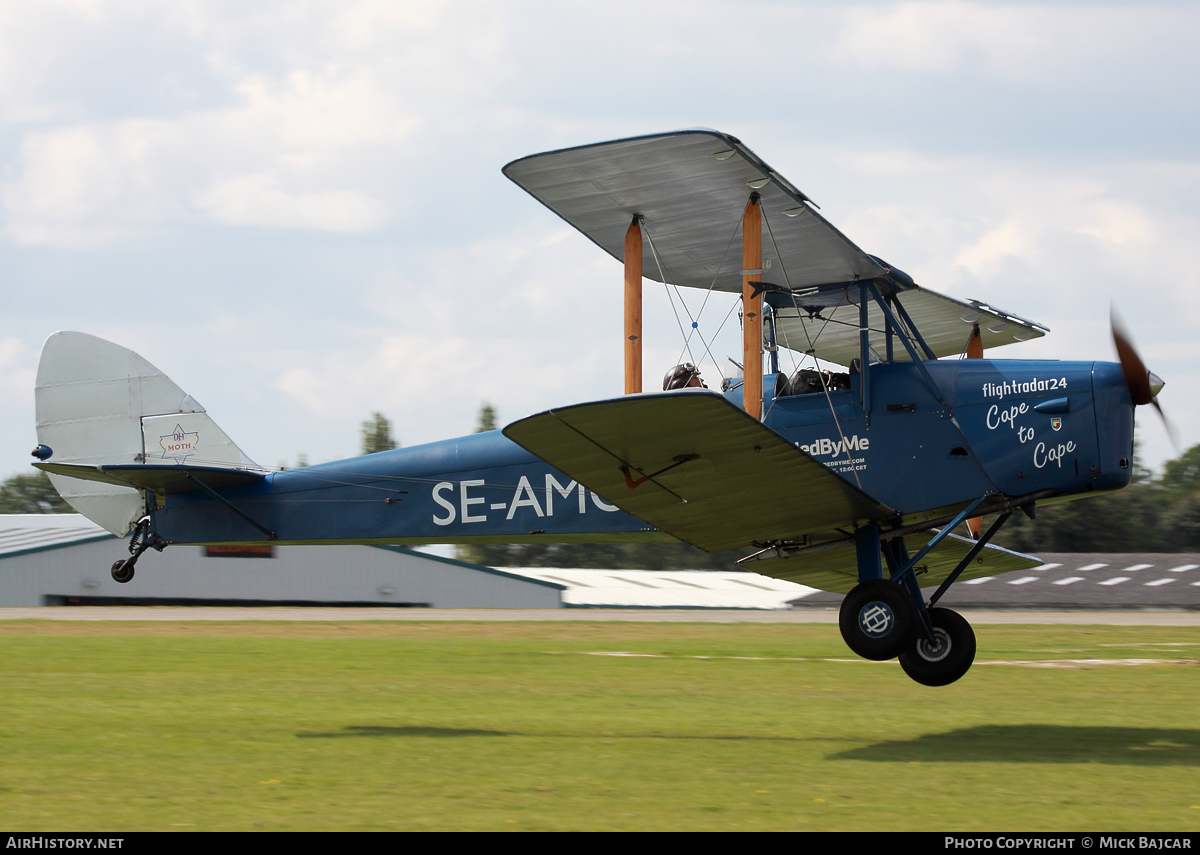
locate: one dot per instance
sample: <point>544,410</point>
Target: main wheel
<point>877,619</point>
<point>942,661</point>
<point>122,571</point>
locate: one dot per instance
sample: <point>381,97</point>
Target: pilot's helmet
<point>683,376</point>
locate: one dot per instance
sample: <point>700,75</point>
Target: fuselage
<point>1005,427</point>
<point>1011,427</point>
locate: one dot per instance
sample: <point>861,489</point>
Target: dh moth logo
<point>876,619</point>
<point>1056,423</point>
<point>178,445</point>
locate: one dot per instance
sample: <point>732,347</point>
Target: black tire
<point>122,571</point>
<point>878,619</point>
<point>942,663</point>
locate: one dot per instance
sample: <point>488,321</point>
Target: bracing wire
<point>812,350</point>
<point>694,321</point>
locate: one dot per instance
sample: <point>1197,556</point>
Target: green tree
<point>31,494</point>
<point>1182,476</point>
<point>1150,515</point>
<point>377,434</point>
<point>487,418</point>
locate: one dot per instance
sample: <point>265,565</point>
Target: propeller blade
<point>1137,376</point>
<point>1171,432</point>
<point>1144,386</point>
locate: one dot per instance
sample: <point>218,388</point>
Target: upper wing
<point>826,323</point>
<point>692,188</point>
<point>695,466</point>
<point>837,569</point>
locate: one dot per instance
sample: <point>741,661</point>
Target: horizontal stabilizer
<point>695,466</point>
<point>156,479</point>
<point>836,570</point>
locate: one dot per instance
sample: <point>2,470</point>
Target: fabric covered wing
<point>700,468</point>
<point>691,187</point>
<point>945,323</point>
<point>836,570</point>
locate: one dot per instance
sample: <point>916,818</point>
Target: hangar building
<point>64,559</point>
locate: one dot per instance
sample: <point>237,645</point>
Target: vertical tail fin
<point>100,403</point>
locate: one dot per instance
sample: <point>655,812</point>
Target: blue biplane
<point>864,461</point>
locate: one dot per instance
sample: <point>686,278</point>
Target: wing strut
<point>752,308</point>
<point>633,307</point>
<point>975,351</point>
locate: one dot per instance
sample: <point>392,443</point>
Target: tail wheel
<point>877,619</point>
<point>942,661</point>
<point>122,571</point>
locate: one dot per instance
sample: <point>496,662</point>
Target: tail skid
<point>98,405</point>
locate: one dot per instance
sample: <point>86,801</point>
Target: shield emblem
<point>1056,423</point>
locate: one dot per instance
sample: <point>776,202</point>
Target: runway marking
<point>1115,580</point>
<point>1070,580</point>
<point>1136,567</point>
<point>1158,582</point>
<point>1091,567</point>
<point>1047,567</point>
<point>1183,568</point>
<point>1024,580</point>
<point>979,581</point>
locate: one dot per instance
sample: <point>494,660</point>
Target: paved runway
<point>1078,581</point>
<point>204,613</point>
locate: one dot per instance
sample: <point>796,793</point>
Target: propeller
<point>1144,384</point>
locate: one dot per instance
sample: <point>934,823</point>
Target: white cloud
<point>295,153</point>
<point>1010,239</point>
<point>257,200</point>
<point>17,372</point>
<point>1032,43</point>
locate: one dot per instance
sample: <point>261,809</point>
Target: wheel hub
<point>936,650</point>
<point>876,619</point>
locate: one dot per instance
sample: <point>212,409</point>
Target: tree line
<point>1152,514</point>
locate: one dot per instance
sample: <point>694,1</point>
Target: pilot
<point>682,377</point>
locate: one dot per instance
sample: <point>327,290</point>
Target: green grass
<point>125,726</point>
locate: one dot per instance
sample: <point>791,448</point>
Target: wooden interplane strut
<point>752,262</point>
<point>633,308</point>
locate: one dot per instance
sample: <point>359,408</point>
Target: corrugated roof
<point>27,532</point>
<point>677,589</point>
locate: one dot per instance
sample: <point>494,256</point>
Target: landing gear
<point>122,570</point>
<point>143,538</point>
<point>947,657</point>
<point>878,619</point>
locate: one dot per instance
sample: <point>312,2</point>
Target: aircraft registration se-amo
<point>848,474</point>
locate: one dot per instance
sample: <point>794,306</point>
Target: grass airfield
<point>485,726</point>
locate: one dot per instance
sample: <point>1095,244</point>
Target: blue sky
<point>296,210</point>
